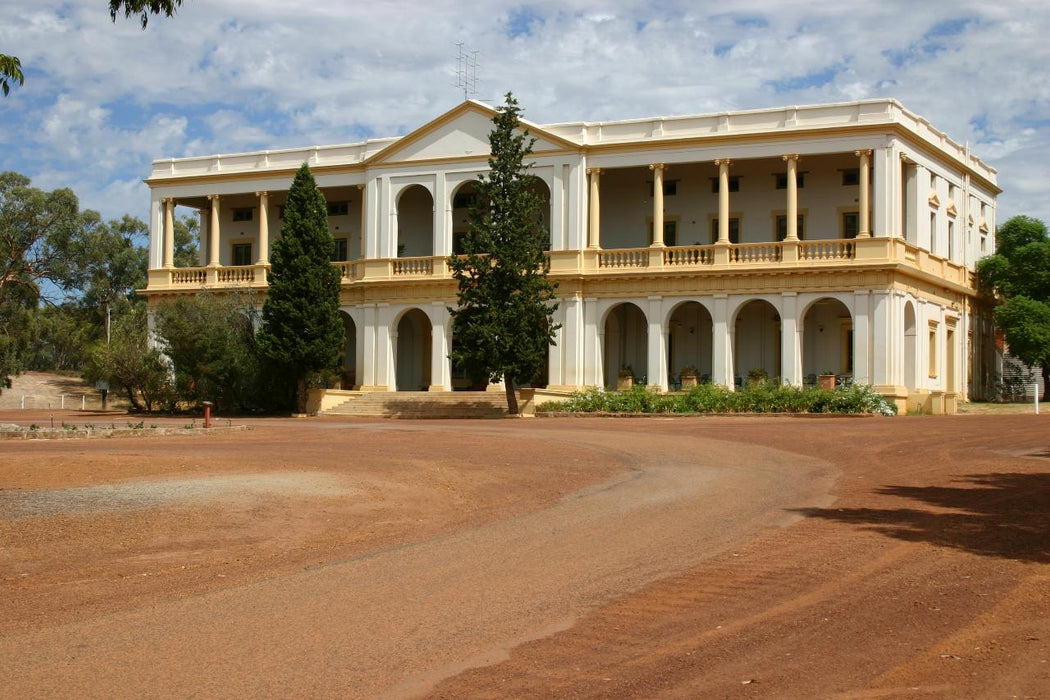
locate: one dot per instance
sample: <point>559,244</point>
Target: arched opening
<point>415,222</point>
<point>464,199</point>
<point>756,338</point>
<point>543,194</point>
<point>626,344</point>
<point>413,351</point>
<point>690,333</point>
<point>827,340</point>
<point>349,365</point>
<point>910,347</point>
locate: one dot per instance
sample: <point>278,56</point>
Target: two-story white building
<point>835,238</point>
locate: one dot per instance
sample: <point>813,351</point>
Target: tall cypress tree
<point>503,325</point>
<point>302,332</point>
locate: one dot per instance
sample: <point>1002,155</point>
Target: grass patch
<point>762,397</point>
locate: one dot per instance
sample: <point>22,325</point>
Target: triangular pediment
<point>462,132</point>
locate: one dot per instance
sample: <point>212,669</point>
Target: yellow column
<point>264,228</point>
<point>792,197</point>
<point>364,220</point>
<point>213,232</point>
<point>594,239</point>
<point>865,194</point>
<point>723,199</point>
<point>658,204</point>
<point>169,232</point>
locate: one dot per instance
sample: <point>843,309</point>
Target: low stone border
<point>735,414</point>
<point>23,433</point>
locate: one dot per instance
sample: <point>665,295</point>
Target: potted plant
<point>625,378</point>
<point>689,376</point>
<point>757,375</point>
<point>826,379</point>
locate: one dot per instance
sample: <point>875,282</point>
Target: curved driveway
<point>397,621</point>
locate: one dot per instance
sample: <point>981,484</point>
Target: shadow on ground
<point>996,515</point>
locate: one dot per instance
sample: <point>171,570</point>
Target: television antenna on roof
<point>467,71</point>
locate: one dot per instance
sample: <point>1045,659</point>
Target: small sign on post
<point>103,386</point>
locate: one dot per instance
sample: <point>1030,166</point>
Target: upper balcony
<point>717,259</point>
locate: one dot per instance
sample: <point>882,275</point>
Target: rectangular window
<point>850,224</point>
<point>933,350</point>
<point>782,180</point>
<point>850,176</point>
<point>951,238</point>
<point>670,232</point>
<point>734,184</point>
<point>734,230</point>
<point>338,208</point>
<point>242,213</point>
<point>242,253</point>
<point>465,200</point>
<point>782,226</point>
<point>670,188</point>
<point>340,252</point>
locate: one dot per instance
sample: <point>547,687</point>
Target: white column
<point>367,350</point>
<point>263,257</point>
<point>203,218</point>
<point>657,350</point>
<point>882,191</point>
<point>865,193</point>
<point>213,232</point>
<point>572,338</point>
<point>721,347</point>
<point>362,191</point>
<point>594,207</point>
<point>658,207</point>
<point>882,374</point>
<point>792,197</point>
<point>861,335</point>
<point>790,340</point>
<point>386,344</point>
<point>440,245</point>
<point>169,232</point>
<point>440,365</point>
<point>593,373</point>
<point>723,200</point>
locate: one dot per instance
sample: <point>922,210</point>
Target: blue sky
<point>102,100</point>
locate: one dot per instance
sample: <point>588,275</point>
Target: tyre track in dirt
<point>399,621</point>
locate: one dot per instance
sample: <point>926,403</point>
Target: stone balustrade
<point>815,254</point>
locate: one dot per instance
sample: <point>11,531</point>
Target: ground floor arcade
<point>910,348</point>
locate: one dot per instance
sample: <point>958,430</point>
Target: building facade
<point>789,242</point>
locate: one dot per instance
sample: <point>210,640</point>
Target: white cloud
<point>103,99</point>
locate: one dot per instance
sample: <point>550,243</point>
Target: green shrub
<point>760,397</point>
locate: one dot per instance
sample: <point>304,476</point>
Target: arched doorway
<point>349,378</point>
<point>827,339</point>
<point>626,344</point>
<point>689,341</point>
<point>415,222</point>
<point>756,337</point>
<point>910,347</point>
<point>413,351</point>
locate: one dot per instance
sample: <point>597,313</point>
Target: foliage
<point>131,366</point>
<point>302,332</point>
<point>10,72</point>
<point>1019,275</point>
<point>143,8</point>
<point>187,233</point>
<point>503,322</point>
<point>210,341</point>
<point>60,337</point>
<point>762,397</point>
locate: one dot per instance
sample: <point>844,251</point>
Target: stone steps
<point>424,404</point>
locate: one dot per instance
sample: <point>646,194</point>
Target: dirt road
<point>695,557</point>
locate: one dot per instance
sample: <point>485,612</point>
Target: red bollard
<point>207,413</point>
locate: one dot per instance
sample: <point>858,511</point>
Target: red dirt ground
<point>686,557</point>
